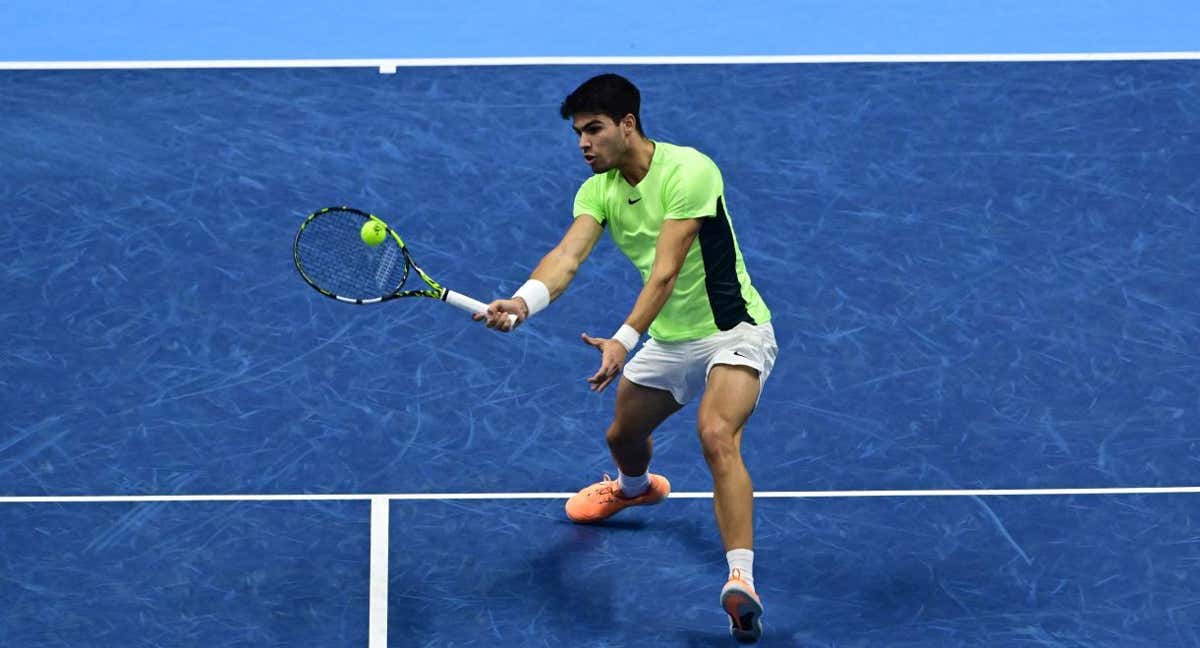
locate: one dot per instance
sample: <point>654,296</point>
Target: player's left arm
<point>691,197</point>
<point>674,240</point>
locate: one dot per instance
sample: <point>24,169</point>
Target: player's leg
<point>728,401</point>
<point>741,361</point>
<point>639,410</point>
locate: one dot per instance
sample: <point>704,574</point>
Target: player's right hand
<point>497,314</point>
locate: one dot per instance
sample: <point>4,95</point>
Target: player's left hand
<point>612,359</point>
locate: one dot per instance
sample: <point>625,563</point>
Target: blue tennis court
<point>982,274</point>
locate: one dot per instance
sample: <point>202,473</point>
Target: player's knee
<point>618,436</point>
<point>718,441</point>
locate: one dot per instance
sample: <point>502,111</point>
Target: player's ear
<point>628,124</point>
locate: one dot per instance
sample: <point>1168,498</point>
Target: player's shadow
<point>577,578</point>
<point>586,574</point>
<point>702,639</point>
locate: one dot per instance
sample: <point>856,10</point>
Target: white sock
<point>633,485</point>
<point>743,561</point>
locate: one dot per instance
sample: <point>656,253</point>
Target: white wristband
<point>535,294</point>
<point>627,336</point>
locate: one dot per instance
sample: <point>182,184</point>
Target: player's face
<point>602,141</point>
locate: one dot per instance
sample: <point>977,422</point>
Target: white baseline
<point>391,64</point>
<point>305,497</point>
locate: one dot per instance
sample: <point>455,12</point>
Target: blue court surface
<point>982,275</point>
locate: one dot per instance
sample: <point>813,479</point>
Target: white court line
<point>375,497</point>
<point>378,617</point>
<point>388,65</point>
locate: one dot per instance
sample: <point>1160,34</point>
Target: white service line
<point>374,497</point>
<point>389,65</point>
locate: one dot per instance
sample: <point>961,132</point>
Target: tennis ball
<point>373,232</point>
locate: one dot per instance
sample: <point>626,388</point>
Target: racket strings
<point>332,254</point>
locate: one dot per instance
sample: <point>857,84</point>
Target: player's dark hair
<point>606,94</point>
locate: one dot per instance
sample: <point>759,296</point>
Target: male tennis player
<point>710,332</point>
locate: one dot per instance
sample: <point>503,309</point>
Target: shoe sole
<point>745,616</point>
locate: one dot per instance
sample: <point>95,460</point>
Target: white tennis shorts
<point>682,367</point>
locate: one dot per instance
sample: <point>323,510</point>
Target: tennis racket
<point>333,258</point>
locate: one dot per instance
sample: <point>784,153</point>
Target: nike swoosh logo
<point>741,355</point>
<point>634,202</point>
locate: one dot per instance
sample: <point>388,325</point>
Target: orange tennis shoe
<point>603,499</point>
<point>743,607</point>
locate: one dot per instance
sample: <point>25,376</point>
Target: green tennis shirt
<point>713,291</point>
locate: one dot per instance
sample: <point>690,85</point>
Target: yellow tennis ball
<point>373,232</point>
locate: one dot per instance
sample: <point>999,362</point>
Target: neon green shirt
<point>713,291</point>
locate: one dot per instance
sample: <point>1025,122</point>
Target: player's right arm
<point>555,271</point>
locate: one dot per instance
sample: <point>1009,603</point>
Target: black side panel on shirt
<point>720,271</point>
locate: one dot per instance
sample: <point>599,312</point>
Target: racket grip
<point>461,301</point>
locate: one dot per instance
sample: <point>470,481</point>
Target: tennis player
<point>710,332</point>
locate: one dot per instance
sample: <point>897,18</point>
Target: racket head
<point>332,257</point>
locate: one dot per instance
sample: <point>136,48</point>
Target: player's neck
<point>637,160</point>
